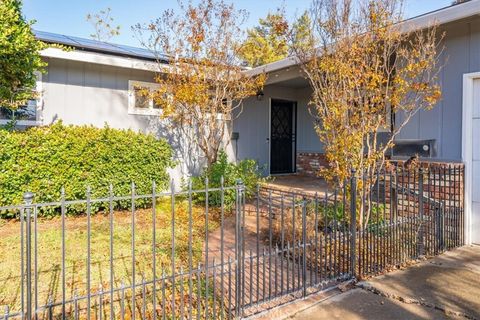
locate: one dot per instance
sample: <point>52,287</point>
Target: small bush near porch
<point>226,173</point>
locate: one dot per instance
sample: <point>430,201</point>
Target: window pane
<point>142,100</point>
<point>5,113</point>
<point>28,112</point>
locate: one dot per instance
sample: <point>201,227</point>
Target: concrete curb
<point>292,308</point>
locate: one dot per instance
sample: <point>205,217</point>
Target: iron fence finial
<point>28,197</point>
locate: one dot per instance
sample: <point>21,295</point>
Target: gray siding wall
<point>444,122</point>
<point>307,138</point>
<point>83,93</point>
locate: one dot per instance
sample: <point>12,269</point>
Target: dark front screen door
<point>282,137</point>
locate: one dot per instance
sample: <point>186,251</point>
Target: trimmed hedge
<point>45,159</point>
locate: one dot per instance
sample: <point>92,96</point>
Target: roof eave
<point>438,17</point>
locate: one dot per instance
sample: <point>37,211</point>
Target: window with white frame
<point>28,114</point>
<point>140,99</point>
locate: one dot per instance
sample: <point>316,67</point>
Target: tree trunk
<point>211,158</point>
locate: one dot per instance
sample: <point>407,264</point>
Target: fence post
<point>304,240</point>
<point>239,248</point>
<point>421,244</point>
<point>28,200</point>
<point>353,223</point>
<point>441,227</point>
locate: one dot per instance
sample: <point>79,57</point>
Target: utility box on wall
<point>408,148</point>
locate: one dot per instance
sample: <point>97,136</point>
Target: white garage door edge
<point>467,148</point>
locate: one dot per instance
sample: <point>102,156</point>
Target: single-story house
<point>94,84</point>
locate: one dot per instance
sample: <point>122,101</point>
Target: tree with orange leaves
<point>365,67</point>
<point>202,89</point>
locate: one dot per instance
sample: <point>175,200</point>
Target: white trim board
<point>442,16</point>
<point>467,148</point>
<point>103,59</point>
<point>269,139</point>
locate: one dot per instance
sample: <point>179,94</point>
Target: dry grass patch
<point>49,250</point>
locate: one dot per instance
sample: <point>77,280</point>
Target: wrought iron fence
<point>185,258</point>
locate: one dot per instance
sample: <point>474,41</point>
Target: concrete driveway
<point>362,304</point>
<point>445,287</point>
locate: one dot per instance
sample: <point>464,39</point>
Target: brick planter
<point>443,182</point>
<point>309,163</point>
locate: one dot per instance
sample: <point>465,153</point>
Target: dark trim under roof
<point>99,46</point>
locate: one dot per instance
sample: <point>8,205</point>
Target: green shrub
<point>45,159</point>
<point>246,170</point>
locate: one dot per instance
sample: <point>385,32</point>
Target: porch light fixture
<point>260,95</point>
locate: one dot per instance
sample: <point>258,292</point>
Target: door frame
<point>269,125</point>
<point>467,148</point>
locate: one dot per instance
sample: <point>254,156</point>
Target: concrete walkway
<point>445,287</point>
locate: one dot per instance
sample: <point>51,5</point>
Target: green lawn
<point>50,253</point>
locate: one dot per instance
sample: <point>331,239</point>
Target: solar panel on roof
<point>94,45</point>
<point>136,51</point>
<point>143,52</point>
<point>54,38</point>
<point>98,45</point>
